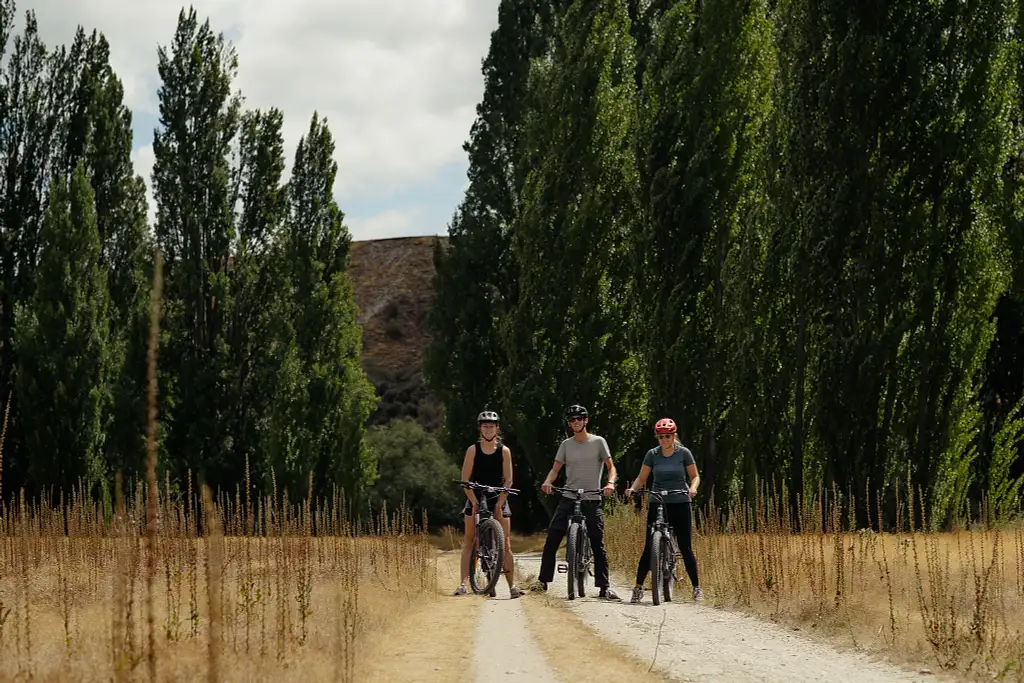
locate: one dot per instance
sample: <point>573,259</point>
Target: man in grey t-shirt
<point>583,456</point>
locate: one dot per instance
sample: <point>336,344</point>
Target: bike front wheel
<point>667,573</point>
<point>656,567</point>
<point>572,551</point>
<point>582,560</point>
<point>488,560</point>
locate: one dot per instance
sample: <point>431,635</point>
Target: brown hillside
<point>394,289</point>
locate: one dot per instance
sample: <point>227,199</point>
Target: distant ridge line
<point>406,237</point>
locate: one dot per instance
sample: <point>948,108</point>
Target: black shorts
<point>506,511</point>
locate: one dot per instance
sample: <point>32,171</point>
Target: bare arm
<point>641,479</point>
<point>691,470</point>
<point>467,472</point>
<point>550,479</point>
<point>609,487</point>
<point>506,468</point>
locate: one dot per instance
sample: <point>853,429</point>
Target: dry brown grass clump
<point>954,600</point>
<point>239,592</point>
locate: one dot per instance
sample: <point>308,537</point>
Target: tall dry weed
<point>954,598</point>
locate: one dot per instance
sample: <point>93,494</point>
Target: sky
<point>397,80</point>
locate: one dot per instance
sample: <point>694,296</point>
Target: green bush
<point>412,466</point>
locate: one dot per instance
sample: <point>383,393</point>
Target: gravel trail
<point>693,642</point>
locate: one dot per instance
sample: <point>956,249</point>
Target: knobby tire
<point>656,567</point>
<point>489,535</point>
<point>581,562</point>
<point>570,558</point>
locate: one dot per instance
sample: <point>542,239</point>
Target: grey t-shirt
<point>669,471</point>
<point>583,462</point>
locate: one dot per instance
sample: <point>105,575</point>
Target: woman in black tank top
<point>487,467</point>
<point>488,462</point>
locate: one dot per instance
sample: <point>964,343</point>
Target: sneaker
<point>608,594</point>
<point>514,593</point>
<point>461,590</point>
<point>539,586</point>
<point>638,594</point>
<point>698,594</point>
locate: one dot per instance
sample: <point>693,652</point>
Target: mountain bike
<point>579,558</point>
<point>489,539</point>
<point>665,553</point>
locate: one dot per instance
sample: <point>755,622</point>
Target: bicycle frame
<point>578,561</point>
<point>664,567</point>
<point>491,559</point>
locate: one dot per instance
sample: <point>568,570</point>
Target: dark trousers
<point>556,532</point>
<point>679,516</point>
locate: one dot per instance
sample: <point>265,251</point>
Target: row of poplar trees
<point>259,348</point>
<point>794,226</point>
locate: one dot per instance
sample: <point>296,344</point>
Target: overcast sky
<point>398,81</point>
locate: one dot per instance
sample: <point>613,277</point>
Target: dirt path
<point>505,649</point>
<point>694,642</point>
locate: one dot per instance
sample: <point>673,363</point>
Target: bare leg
<point>467,547</point>
<point>510,563</point>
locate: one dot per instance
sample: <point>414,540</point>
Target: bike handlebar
<point>660,495</point>
<point>579,493</point>
<point>489,489</point>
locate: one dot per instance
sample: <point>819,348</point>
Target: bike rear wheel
<point>488,560</point>
<point>572,551</point>
<point>656,567</point>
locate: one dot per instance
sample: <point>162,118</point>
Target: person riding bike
<point>670,462</point>
<point>487,462</point>
<point>584,455</point>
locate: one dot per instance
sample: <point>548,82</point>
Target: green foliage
<point>413,469</point>
<point>705,108</point>
<point>566,338</point>
<point>323,428</point>
<point>1003,497</point>
<point>888,206</point>
<point>807,207</point>
<point>62,341</point>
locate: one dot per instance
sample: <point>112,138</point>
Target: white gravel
<point>694,642</point>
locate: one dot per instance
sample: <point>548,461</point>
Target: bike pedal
<point>563,568</point>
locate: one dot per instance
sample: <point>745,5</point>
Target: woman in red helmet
<point>672,463</point>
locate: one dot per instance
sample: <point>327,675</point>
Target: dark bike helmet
<point>575,410</point>
<point>487,416</point>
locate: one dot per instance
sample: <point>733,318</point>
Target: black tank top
<point>487,468</point>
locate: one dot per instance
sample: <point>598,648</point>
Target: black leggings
<point>680,517</point>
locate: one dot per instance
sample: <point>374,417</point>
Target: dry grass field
<point>220,591</point>
<point>952,601</point>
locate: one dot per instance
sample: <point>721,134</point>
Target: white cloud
<point>390,223</point>
<point>397,80</point>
